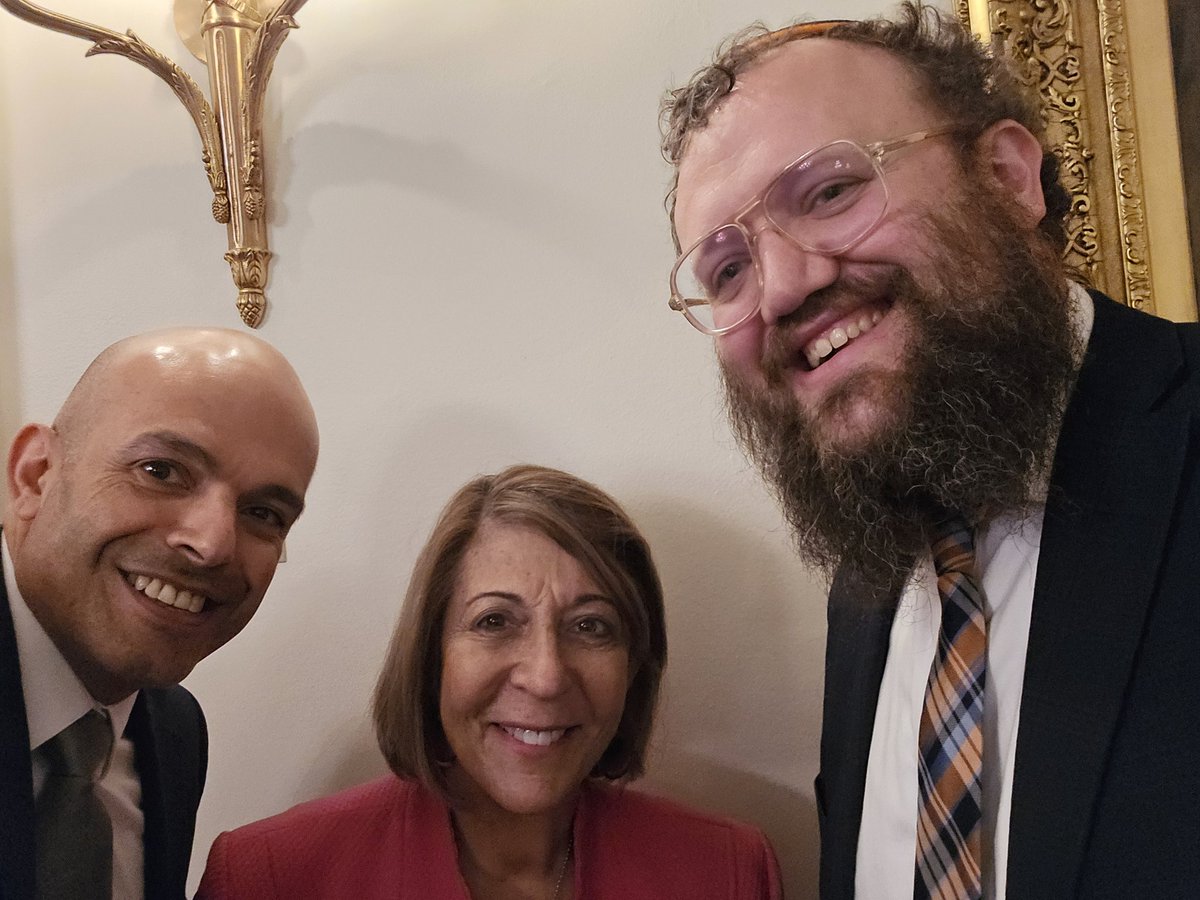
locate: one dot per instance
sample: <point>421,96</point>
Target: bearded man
<point>996,467</point>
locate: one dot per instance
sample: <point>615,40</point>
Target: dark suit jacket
<point>1106,788</point>
<point>171,755</point>
<point>394,839</point>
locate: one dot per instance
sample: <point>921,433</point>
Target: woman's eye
<point>491,622</point>
<point>596,627</point>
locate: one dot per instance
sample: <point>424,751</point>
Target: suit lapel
<point>156,822</point>
<point>1117,468</point>
<point>16,770</point>
<point>170,752</point>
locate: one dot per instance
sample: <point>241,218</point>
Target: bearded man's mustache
<point>849,291</point>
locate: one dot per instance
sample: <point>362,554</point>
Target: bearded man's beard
<point>968,424</point>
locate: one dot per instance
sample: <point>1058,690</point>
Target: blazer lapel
<point>16,770</point>
<point>1117,468</point>
<point>170,752</point>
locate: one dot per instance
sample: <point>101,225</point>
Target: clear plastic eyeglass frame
<point>877,152</point>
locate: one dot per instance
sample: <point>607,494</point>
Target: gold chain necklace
<point>562,869</point>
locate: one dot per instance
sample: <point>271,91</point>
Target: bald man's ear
<point>32,460</point>
<point>1012,158</point>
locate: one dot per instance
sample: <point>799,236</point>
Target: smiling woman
<point>517,694</point>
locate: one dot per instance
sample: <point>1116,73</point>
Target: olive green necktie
<point>74,833</point>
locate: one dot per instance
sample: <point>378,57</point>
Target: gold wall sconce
<point>238,41</point>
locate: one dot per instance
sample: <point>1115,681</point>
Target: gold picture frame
<point>1103,70</point>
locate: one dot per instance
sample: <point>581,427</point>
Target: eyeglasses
<point>824,202</point>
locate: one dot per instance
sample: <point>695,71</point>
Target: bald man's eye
<point>162,470</point>
<point>270,517</point>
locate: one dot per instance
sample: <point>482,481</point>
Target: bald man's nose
<point>206,531</point>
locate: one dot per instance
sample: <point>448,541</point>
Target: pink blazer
<point>392,838</point>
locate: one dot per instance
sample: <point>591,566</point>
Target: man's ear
<point>32,462</point>
<point>1012,159</point>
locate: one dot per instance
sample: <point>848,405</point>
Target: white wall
<point>471,267</point>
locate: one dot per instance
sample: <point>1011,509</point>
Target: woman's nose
<point>542,667</point>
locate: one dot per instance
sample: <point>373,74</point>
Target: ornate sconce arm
<point>132,47</point>
<point>269,39</point>
<point>248,263</point>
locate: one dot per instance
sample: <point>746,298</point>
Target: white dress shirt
<point>1007,555</point>
<point>54,699</point>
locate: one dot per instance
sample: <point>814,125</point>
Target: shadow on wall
<point>353,156</point>
<point>345,155</point>
<point>357,759</point>
<point>745,796</point>
<point>739,724</point>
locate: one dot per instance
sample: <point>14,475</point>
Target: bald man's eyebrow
<point>157,441</point>
<point>151,443</point>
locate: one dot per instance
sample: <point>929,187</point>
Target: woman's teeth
<point>165,593</point>
<point>839,336</point>
<point>535,738</point>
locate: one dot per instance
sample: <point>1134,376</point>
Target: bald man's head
<point>174,352</point>
<point>146,523</point>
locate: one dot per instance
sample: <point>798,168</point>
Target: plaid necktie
<point>950,751</point>
<point>74,833</point>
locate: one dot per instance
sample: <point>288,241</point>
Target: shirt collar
<point>54,695</point>
<point>1083,316</point>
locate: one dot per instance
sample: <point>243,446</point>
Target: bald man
<point>142,531</point>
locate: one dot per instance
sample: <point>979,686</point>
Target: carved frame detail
<point>1075,54</point>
